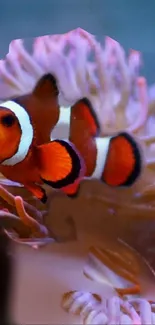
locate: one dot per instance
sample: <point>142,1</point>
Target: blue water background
<point>131,22</point>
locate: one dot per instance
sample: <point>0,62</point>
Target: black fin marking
<point>88,104</point>
<point>137,168</point>
<point>44,198</point>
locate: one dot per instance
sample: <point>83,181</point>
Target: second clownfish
<point>32,152</point>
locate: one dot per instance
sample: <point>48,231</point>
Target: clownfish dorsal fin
<point>85,112</point>
<point>46,87</point>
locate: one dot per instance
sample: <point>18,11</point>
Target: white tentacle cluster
<point>111,311</point>
<point>102,73</point>
<point>79,302</point>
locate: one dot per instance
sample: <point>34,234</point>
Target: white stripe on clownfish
<point>62,129</point>
<point>26,129</point>
<point>102,145</point>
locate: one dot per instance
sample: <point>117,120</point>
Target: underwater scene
<point>77,180</point>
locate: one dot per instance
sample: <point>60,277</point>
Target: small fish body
<point>32,152</point>
<point>27,155</point>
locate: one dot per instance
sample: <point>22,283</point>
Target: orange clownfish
<point>42,142</point>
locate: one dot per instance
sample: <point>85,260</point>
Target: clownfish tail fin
<point>123,164</point>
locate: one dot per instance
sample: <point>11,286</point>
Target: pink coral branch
<point>134,62</point>
<point>27,61</point>
<point>11,222</point>
<point>7,77</point>
<point>9,198</point>
<point>100,59</point>
<point>143,98</point>
<point>120,107</point>
<point>35,226</point>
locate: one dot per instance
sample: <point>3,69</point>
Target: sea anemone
<point>122,99</point>
<point>92,310</point>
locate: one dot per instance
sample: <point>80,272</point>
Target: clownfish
<point>33,153</point>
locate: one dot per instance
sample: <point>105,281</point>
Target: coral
<point>92,310</point>
<point>21,225</point>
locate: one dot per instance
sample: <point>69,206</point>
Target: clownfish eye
<point>8,120</point>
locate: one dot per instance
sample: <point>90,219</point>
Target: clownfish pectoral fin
<point>60,165</point>
<point>85,112</point>
<point>37,191</point>
<point>46,87</point>
<point>124,161</point>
